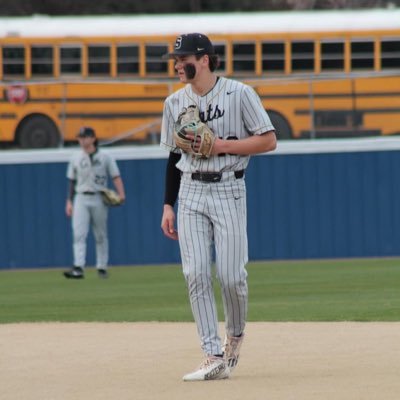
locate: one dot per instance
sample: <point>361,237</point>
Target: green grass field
<point>328,290</point>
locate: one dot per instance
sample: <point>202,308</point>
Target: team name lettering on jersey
<point>210,114</point>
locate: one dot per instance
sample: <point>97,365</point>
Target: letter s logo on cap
<point>178,43</point>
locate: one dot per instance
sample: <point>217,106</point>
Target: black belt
<point>214,176</point>
<point>89,193</point>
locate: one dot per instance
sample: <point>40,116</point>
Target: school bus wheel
<point>36,132</point>
<point>282,126</point>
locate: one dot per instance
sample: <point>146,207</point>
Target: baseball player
<point>212,196</point>
<point>88,173</point>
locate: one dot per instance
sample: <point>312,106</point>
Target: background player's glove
<point>111,197</point>
<point>189,122</point>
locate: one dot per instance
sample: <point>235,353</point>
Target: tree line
<point>104,7</point>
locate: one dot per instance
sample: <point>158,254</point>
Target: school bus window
<point>362,54</point>
<point>302,56</point>
<point>127,59</point>
<point>244,57</point>
<point>154,61</point>
<point>273,56</point>
<point>220,49</point>
<point>41,60</point>
<point>99,60</point>
<point>70,60</point>
<point>332,55</point>
<point>390,53</point>
<point>13,61</point>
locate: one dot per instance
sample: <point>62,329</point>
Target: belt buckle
<point>214,177</point>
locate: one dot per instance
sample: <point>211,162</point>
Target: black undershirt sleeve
<point>172,179</point>
<point>71,189</point>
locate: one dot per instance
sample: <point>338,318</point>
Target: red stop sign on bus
<point>17,94</point>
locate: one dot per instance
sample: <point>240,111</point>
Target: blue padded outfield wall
<point>309,199</point>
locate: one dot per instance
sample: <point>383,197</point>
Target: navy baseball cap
<point>191,44</point>
<point>86,131</point>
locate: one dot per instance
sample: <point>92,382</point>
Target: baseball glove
<point>111,197</point>
<point>189,123</point>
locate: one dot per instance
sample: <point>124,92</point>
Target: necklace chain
<point>212,98</point>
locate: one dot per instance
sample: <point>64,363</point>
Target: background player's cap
<point>86,131</point>
<point>191,43</point>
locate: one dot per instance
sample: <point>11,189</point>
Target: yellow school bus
<point>319,73</point>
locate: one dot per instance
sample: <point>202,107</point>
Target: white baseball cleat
<point>211,368</point>
<point>231,350</point>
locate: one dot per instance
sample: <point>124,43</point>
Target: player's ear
<point>205,60</point>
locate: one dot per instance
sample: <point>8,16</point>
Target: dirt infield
<point>140,361</point>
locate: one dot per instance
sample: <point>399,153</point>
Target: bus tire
<point>38,132</point>
<point>282,126</point>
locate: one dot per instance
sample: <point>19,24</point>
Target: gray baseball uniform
<point>91,173</point>
<point>214,213</point>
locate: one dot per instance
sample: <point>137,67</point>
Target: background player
<point>88,172</point>
<point>212,196</point>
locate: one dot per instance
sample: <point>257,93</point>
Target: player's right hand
<point>168,222</point>
<point>68,208</point>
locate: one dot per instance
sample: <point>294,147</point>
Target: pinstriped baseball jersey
<point>232,109</point>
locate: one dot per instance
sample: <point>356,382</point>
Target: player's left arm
<point>262,137</point>
<point>251,145</point>
<point>114,172</point>
<point>119,187</point>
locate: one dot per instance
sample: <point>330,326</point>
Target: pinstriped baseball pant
<point>213,215</point>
